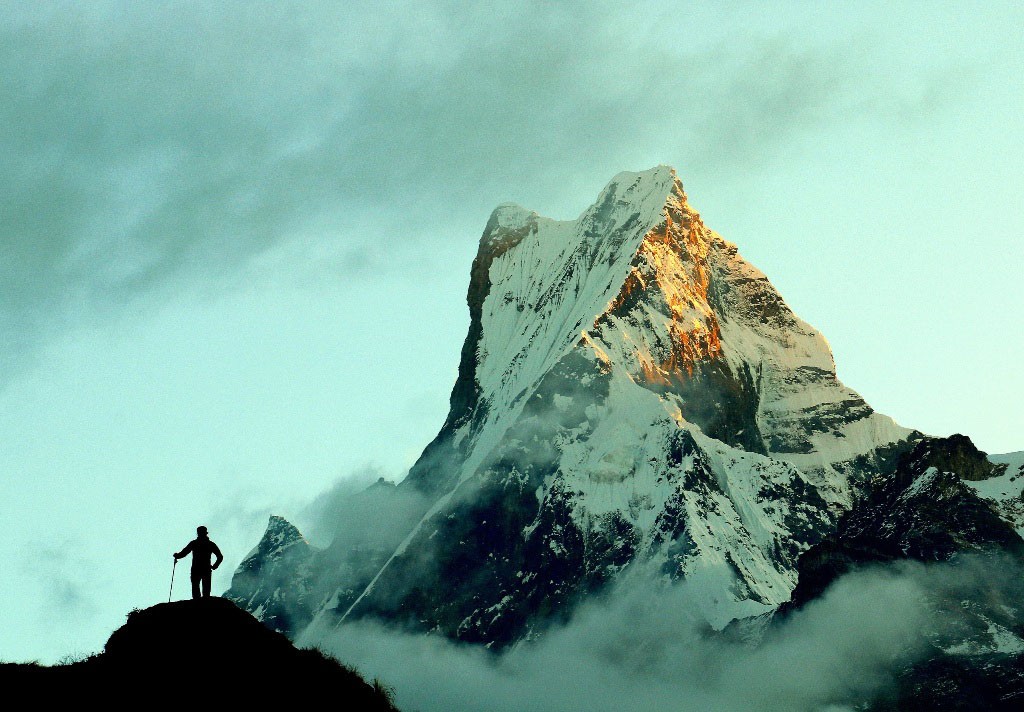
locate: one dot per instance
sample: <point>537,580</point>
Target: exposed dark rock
<point>957,454</point>
<point>921,511</point>
<point>993,683</point>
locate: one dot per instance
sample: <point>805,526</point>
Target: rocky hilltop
<point>207,651</point>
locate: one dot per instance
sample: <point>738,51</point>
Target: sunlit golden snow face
<point>668,283</point>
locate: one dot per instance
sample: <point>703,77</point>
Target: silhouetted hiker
<point>201,549</point>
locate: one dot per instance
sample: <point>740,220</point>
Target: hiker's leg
<point>195,584</point>
<point>207,575</point>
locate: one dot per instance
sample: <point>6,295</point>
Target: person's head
<point>201,531</point>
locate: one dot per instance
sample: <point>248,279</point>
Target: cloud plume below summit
<point>641,649</point>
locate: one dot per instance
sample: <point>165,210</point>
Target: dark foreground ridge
<point>207,650</point>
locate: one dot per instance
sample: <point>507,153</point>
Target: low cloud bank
<point>644,647</point>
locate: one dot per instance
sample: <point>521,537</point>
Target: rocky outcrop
<point>923,510</point>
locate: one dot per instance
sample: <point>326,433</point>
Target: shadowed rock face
<point>953,454</point>
<point>922,511</point>
<point>994,683</point>
<point>199,653</point>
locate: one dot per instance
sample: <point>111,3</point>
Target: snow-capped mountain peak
<point>631,393</point>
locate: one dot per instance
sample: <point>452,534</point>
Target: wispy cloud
<point>145,143</point>
<point>67,579</point>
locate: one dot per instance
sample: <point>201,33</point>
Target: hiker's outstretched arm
<point>216,552</point>
<point>184,552</point>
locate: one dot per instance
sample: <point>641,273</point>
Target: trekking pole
<point>173,569</point>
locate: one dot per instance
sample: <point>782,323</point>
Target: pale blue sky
<point>236,236</point>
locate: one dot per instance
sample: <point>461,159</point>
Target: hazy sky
<point>236,237</point>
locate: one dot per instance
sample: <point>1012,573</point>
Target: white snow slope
<point>1006,490</point>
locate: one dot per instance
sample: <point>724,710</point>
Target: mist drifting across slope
<point>638,648</point>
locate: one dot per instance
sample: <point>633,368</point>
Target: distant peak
<point>281,532</point>
<point>512,216</point>
<point>508,224</point>
<point>276,521</point>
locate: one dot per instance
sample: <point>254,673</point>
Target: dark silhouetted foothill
<point>172,652</point>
